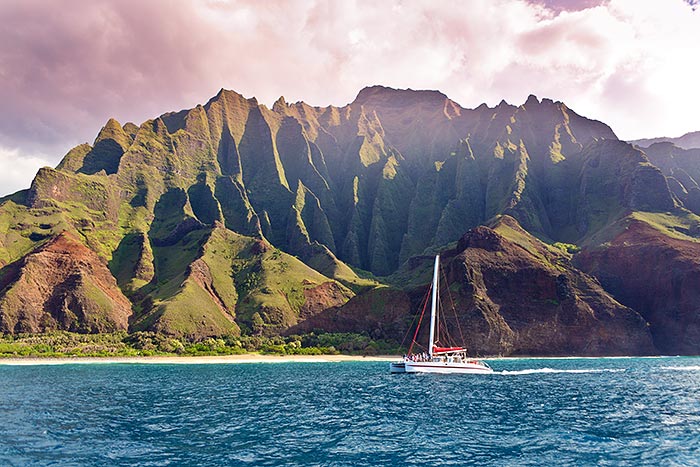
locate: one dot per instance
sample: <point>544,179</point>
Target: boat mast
<point>433,306</point>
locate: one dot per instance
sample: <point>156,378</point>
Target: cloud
<point>65,71</point>
<point>17,172</point>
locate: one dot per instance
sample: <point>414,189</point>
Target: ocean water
<point>544,412</point>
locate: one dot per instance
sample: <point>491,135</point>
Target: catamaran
<point>438,359</point>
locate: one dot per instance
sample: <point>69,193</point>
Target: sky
<point>67,67</point>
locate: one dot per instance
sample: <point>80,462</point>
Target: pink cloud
<point>64,70</point>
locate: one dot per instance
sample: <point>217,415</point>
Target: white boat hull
<point>397,367</point>
<point>447,367</point>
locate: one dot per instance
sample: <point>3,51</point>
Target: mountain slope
<point>682,170</point>
<point>664,286</point>
<point>348,171</point>
<point>61,286</point>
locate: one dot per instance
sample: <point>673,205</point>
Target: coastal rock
<point>517,296</point>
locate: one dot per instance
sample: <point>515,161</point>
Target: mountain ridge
<point>690,140</point>
<point>300,200</point>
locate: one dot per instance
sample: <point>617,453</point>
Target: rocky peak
<point>531,101</point>
<point>481,237</point>
<point>280,105</point>
<point>227,96</point>
<point>534,104</point>
<point>662,146</point>
<point>504,104</point>
<point>112,130</point>
<point>381,96</point>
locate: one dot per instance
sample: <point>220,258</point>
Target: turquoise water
<point>531,412</point>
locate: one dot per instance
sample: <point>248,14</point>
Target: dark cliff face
<point>657,275</point>
<point>531,301</point>
<point>682,170</point>
<point>375,182</point>
<point>176,205</point>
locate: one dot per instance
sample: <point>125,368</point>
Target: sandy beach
<point>244,358</point>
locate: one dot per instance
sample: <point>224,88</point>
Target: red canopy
<point>437,349</point>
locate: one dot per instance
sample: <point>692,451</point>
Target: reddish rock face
<point>528,300</point>
<point>62,286</point>
<point>200,273</point>
<point>658,276</point>
<point>381,312</point>
<point>322,297</point>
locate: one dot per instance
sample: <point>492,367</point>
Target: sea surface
<point>544,412</point>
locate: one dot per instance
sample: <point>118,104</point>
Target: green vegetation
<point>567,247</point>
<point>350,343</point>
<point>325,262</point>
<point>66,344</point>
<point>121,344</point>
<point>680,224</point>
<point>511,230</point>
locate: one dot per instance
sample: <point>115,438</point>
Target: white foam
<point>682,368</point>
<point>553,370</point>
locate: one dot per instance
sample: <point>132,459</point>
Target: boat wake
<point>553,370</point>
<point>682,368</point>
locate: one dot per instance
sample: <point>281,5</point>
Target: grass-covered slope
<point>214,281</point>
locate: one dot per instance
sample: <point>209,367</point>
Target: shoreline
<point>189,360</point>
<point>257,358</point>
